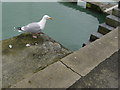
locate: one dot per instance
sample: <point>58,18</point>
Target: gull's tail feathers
<point>19,29</point>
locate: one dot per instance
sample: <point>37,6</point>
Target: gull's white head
<point>47,17</point>
<point>42,22</point>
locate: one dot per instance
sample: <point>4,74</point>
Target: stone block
<point>94,6</point>
<point>112,20</point>
<point>116,12</point>
<point>87,58</point>
<point>86,43</point>
<point>95,35</point>
<point>104,28</point>
<point>56,75</point>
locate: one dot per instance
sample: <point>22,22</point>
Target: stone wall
<point>71,68</point>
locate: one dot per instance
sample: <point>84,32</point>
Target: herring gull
<point>35,27</point>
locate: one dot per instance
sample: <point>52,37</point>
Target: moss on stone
<point>21,61</point>
<point>93,7</point>
<point>19,42</point>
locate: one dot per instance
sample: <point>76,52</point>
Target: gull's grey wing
<point>32,27</point>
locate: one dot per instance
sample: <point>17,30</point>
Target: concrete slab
<point>56,75</point>
<point>112,20</point>
<point>88,57</point>
<point>105,75</point>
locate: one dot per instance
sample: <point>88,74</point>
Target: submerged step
<point>86,43</point>
<point>104,28</point>
<point>116,12</point>
<point>112,20</point>
<point>95,35</point>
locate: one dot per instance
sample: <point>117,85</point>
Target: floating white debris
<point>27,45</point>
<point>19,31</point>
<point>10,46</point>
<point>14,29</point>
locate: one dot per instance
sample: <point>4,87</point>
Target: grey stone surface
<point>105,75</point>
<point>104,28</point>
<point>56,75</point>
<point>112,20</point>
<point>86,43</point>
<point>95,35</point>
<point>99,6</point>
<point>88,57</point>
<point>21,61</point>
<point>116,12</point>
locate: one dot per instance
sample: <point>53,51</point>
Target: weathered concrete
<point>105,75</point>
<point>86,43</point>
<point>88,57</point>
<point>111,8</point>
<point>68,70</point>
<point>56,75</point>
<point>104,28</point>
<point>116,12</point>
<point>100,6</point>
<point>21,61</point>
<point>94,6</point>
<point>112,21</point>
<point>95,35</point>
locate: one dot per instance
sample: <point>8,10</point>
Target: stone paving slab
<point>88,57</point>
<point>105,75</point>
<point>56,75</point>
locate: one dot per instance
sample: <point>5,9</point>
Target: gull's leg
<point>34,35</point>
<point>40,33</point>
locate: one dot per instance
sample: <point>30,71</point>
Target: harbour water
<point>71,24</point>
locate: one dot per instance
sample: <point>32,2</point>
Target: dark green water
<point>71,26</point>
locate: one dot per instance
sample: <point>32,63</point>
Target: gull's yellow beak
<point>50,18</point>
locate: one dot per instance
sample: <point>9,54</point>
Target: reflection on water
<point>99,16</point>
<point>71,25</point>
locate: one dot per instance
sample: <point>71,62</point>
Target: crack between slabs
<point>71,69</point>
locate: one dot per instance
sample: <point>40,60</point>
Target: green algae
<point>94,7</point>
<point>19,42</point>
